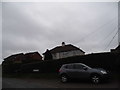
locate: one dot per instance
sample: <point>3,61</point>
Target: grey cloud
<point>38,26</point>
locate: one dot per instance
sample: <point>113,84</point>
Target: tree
<point>48,55</point>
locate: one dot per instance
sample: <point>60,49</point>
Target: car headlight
<point>103,72</point>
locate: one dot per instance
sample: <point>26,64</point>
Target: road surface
<point>52,83</point>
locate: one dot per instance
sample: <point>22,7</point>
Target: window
<point>69,66</point>
<point>77,66</point>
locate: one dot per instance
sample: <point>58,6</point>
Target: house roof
<point>22,55</point>
<point>65,48</point>
<point>32,54</point>
<point>118,48</point>
<point>13,56</point>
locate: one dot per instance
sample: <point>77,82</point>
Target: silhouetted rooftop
<point>65,48</point>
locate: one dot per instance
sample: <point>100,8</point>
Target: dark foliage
<point>109,61</point>
<point>48,55</point>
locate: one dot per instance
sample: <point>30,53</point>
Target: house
<point>23,58</point>
<point>16,58</point>
<point>116,50</point>
<point>32,57</point>
<point>64,51</point>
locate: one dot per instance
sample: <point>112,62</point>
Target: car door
<point>70,70</point>
<point>80,72</point>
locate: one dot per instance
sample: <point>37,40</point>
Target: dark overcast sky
<point>29,27</point>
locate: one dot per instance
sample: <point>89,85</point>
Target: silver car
<point>81,71</point>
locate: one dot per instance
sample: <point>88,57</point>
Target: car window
<point>78,66</point>
<point>69,66</point>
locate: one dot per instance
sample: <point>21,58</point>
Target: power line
<point>111,41</point>
<point>108,35</point>
<point>96,30</point>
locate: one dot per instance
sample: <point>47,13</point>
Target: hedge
<point>109,61</point>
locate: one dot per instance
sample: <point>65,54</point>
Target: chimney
<point>63,44</point>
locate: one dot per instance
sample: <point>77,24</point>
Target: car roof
<point>73,63</point>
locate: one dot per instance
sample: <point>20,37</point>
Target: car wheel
<point>64,78</point>
<point>95,79</point>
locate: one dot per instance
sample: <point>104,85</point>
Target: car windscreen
<point>80,66</point>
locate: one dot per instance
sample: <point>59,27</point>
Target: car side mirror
<point>85,68</point>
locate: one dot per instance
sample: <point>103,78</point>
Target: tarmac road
<point>53,83</point>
